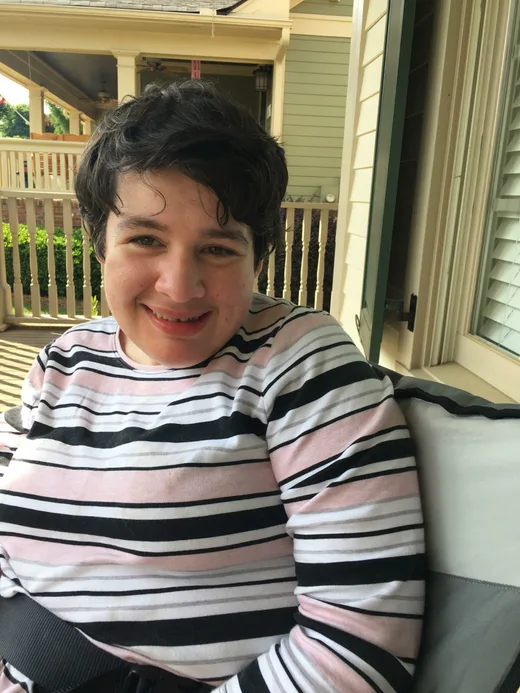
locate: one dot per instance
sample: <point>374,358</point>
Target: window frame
<point>470,190</point>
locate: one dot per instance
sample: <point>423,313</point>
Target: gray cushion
<point>468,452</point>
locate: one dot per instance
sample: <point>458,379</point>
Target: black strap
<point>57,657</point>
<point>31,637</point>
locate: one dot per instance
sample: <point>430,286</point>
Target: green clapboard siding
<point>314,112</point>
<point>343,8</point>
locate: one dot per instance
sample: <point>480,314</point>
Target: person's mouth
<point>176,323</point>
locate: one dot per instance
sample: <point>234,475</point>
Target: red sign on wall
<point>195,69</point>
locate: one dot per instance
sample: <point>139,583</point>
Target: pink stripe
<point>93,340</point>
<point>160,486</point>
<point>19,548</point>
<point>333,439</point>
<point>106,385</point>
<point>342,676</point>
<point>358,493</point>
<point>400,636</point>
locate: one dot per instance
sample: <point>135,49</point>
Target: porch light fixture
<point>262,74</point>
<point>103,94</point>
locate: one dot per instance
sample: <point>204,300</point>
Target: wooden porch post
<point>87,126</point>
<point>279,86</point>
<point>36,116</point>
<point>127,82</point>
<point>74,121</point>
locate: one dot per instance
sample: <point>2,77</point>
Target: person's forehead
<point>158,200</point>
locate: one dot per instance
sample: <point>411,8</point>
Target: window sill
<point>457,376</point>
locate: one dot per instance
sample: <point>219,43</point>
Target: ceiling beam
<point>30,70</point>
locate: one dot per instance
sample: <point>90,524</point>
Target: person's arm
<point>15,422</point>
<point>11,433</point>
<point>342,456</point>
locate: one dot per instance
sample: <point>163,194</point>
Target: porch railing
<point>48,272</point>
<point>31,165</point>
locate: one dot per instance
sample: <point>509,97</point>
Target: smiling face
<point>178,284</point>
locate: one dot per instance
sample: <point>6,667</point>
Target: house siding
<point>314,114</point>
<point>338,9</point>
<point>360,141</point>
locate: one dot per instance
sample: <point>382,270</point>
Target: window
<point>496,316</point>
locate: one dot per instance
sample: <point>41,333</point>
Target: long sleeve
<point>343,459</point>
<point>15,422</point>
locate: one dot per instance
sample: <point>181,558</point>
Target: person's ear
<point>259,268</point>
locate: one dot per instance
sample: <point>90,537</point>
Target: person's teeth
<point>163,317</point>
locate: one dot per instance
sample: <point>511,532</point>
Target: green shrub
<point>59,259</point>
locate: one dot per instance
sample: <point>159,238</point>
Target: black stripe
<point>369,572</point>
<point>357,535</point>
<point>325,424</point>
<point>148,554</point>
<point>381,660</point>
<point>251,680</point>
<point>324,384</point>
<point>124,374</point>
<point>383,451</point>
<point>160,590</point>
<point>201,465</point>
<point>371,436</point>
<point>165,530</point>
<point>350,480</point>
<point>286,668</point>
<point>11,678</point>
<point>81,356</point>
<point>273,328</point>
<point>106,504</point>
<point>453,407</point>
<point>225,427</point>
<point>362,674</point>
<point>152,413</point>
<point>297,365</point>
<point>184,632</point>
<point>371,612</point>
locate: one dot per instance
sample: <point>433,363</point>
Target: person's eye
<point>146,241</point>
<point>219,251</point>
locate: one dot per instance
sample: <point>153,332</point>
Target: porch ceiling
<point>85,71</point>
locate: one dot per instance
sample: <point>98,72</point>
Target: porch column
<point>87,126</point>
<point>36,116</point>
<point>278,87</point>
<point>74,121</point>
<point>127,83</point>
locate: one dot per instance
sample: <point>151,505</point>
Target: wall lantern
<point>262,74</point>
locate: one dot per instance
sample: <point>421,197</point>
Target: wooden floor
<point>18,348</point>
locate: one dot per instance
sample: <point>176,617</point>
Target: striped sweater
<point>252,522</point>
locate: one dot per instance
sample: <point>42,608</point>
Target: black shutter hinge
<point>396,308</point>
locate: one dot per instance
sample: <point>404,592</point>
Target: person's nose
<point>180,277</point>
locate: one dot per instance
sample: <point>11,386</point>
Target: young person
<point>213,483</point>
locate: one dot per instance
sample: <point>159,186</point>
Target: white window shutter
<point>499,311</point>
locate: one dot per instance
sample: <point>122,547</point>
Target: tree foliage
<point>11,122</point>
<point>13,125</point>
<point>57,120</point>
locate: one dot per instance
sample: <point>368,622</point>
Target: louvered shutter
<point>499,308</point>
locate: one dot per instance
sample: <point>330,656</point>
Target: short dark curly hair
<point>191,127</point>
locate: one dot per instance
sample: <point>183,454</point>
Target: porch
<point>18,349</point>
<point>50,280</point>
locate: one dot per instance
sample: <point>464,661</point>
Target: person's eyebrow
<point>138,222</point>
<point>228,234</point>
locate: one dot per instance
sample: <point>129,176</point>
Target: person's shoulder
<point>288,328</point>
<point>97,333</point>
<point>295,322</point>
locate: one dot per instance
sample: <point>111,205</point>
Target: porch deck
<point>18,348</point>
